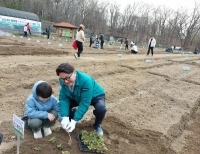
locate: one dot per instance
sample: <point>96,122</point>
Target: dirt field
<point>152,108</point>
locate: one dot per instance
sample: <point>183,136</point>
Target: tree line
<point>137,21</point>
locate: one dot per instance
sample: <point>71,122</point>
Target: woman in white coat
<point>151,45</point>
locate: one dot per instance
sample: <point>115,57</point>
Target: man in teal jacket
<point>79,89</point>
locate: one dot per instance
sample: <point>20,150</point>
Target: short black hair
<point>64,67</point>
<point>44,90</point>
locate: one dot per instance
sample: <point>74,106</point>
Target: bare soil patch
<point>152,108</point>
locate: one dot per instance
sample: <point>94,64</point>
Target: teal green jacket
<point>85,89</point>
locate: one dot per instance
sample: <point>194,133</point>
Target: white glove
<point>65,121</point>
<point>71,126</point>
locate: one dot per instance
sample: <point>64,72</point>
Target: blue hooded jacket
<point>35,108</point>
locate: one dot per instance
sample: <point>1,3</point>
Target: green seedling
<point>93,141</point>
<point>59,146</point>
<point>53,139</point>
<point>37,148</point>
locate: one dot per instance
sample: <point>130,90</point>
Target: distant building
<point>13,21</point>
<point>65,29</point>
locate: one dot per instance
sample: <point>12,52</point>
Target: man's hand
<point>71,126</point>
<point>65,122</point>
<point>51,116</point>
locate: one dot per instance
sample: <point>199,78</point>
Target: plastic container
<point>82,146</point>
<point>60,45</point>
<point>186,69</point>
<point>148,61</point>
<point>119,55</point>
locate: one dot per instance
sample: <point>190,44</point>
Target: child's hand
<point>51,116</point>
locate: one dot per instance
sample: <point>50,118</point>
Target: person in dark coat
<point>91,40</point>
<point>126,43</point>
<point>48,32</point>
<point>101,38</point>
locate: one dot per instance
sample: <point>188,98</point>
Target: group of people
<point>78,91</point>
<point>134,49</point>
<point>27,28</point>
<point>99,41</point>
<point>80,38</point>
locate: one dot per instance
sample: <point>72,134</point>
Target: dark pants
<point>99,105</point>
<point>102,42</point>
<point>80,47</point>
<point>29,31</point>
<point>37,124</point>
<point>133,51</point>
<point>150,48</point>
<point>126,47</point>
<point>48,36</point>
<point>25,34</point>
<point>91,43</point>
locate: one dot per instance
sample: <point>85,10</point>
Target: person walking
<point>41,109</point>
<point>48,32</point>
<point>25,31</point>
<point>101,37</point>
<point>29,28</point>
<point>151,45</point>
<point>80,38</point>
<point>78,89</point>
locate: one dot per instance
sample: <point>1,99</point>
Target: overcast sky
<point>173,4</point>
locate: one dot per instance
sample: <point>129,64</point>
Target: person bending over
<point>78,89</point>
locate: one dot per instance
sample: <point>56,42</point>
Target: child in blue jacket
<point>42,109</point>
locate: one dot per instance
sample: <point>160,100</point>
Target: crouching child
<point>41,109</point>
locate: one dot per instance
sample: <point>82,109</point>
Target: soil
<point>153,108</point>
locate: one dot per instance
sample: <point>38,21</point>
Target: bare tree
<point>114,15</point>
<point>179,23</point>
<point>193,25</point>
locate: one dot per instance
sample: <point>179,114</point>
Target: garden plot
<point>163,107</point>
<point>176,72</point>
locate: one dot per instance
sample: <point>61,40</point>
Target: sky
<point>173,4</point>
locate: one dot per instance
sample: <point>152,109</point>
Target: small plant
<point>93,141</point>
<point>53,139</point>
<point>59,146</point>
<point>37,148</point>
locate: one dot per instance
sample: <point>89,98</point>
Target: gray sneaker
<point>98,129</point>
